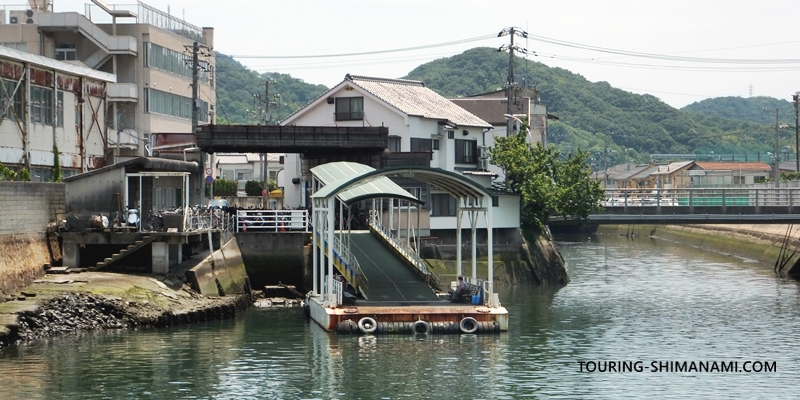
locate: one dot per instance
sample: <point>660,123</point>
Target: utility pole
<point>512,31</point>
<point>197,50</point>
<point>777,159</point>
<point>605,163</point>
<point>796,98</point>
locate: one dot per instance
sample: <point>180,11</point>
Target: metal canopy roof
<point>355,180</point>
<point>343,180</point>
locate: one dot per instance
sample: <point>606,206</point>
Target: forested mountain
<point>760,110</point>
<point>236,86</point>
<point>590,114</point>
<point>636,125</point>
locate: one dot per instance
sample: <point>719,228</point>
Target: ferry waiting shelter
<point>344,184</point>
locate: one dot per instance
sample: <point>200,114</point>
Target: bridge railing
<point>702,197</point>
<point>272,221</point>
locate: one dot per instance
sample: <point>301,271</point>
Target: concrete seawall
<point>221,273</point>
<point>759,242</point>
<point>26,208</point>
<point>275,257</point>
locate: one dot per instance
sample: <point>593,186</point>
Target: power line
<point>665,56</point>
<point>366,53</point>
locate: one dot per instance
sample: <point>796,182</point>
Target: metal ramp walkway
<point>389,278</point>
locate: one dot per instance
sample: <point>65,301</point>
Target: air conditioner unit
<point>484,152</point>
<point>483,164</point>
<point>23,17</point>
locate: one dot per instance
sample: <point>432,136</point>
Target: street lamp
<point>510,117</point>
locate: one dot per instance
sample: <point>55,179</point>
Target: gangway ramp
<point>390,279</point>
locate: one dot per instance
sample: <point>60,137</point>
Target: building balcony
<point>123,92</point>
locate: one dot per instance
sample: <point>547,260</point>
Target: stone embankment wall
<point>762,242</point>
<point>519,258</point>
<point>26,208</point>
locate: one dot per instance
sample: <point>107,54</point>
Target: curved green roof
<point>352,182</point>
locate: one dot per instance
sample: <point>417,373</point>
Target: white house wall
<point>505,215</point>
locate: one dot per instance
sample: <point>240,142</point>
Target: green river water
<point>635,302</point>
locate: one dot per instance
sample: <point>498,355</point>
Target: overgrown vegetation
<point>8,174</point>
<point>222,188</point>
<point>548,184</point>
<point>57,176</point>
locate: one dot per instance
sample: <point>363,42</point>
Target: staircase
<point>122,253</point>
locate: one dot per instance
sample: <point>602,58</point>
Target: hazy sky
<point>719,31</point>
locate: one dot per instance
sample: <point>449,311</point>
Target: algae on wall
<point>537,262</point>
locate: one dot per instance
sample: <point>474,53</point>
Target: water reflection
<point>629,300</point>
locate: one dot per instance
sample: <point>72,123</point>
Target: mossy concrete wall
<point>221,273</point>
<point>769,244</point>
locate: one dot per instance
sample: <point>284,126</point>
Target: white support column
<point>459,214</point>
<point>331,204</point>
<point>408,223</point>
<point>473,219</point>
<point>419,241</point>
<point>391,215</point>
<point>160,258</point>
<point>314,247</point>
<point>489,238</point>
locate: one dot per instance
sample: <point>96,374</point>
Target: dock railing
<point>408,252</point>
<point>272,221</point>
<point>349,263</point>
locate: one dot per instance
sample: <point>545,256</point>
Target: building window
<point>495,201</point>
<point>436,144</point>
<point>466,151</point>
<point>349,108</point>
<point>443,205</point>
<point>41,105</point>
<point>394,144</point>
<point>66,52</point>
<point>173,62</point>
<point>21,46</point>
<point>158,102</point>
<point>15,99</point>
<point>418,144</point>
<point>415,191</point>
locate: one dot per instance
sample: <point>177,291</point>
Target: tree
<point>547,184</point>
<point>253,188</point>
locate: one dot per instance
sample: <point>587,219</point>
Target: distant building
<point>721,173</point>
<point>493,108</point>
<point>144,47</point>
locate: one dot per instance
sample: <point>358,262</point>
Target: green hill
<point>589,112</point>
<point>641,124</point>
<point>236,85</point>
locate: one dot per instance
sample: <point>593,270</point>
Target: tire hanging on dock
<point>367,325</point>
<point>421,327</point>
<point>467,325</point>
